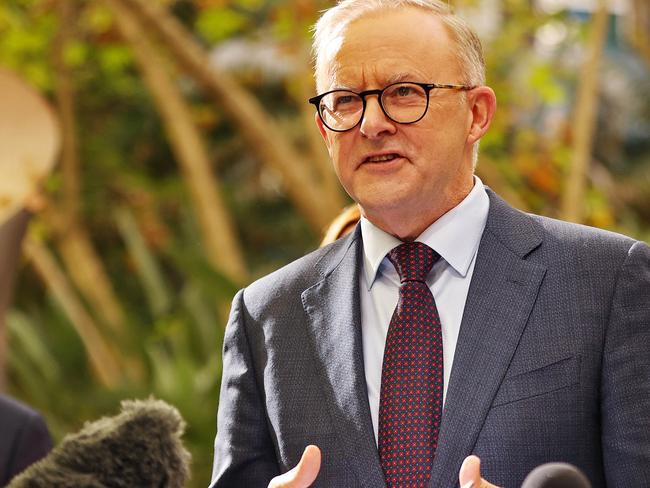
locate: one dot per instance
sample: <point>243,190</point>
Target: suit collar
<point>455,236</point>
<point>514,229</point>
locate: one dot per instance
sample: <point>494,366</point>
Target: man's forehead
<point>384,46</point>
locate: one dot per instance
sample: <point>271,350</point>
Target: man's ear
<point>322,129</point>
<point>483,104</point>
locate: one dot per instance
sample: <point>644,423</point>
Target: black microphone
<point>556,475</point>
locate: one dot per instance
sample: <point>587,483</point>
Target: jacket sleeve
<point>625,387</point>
<point>244,453</point>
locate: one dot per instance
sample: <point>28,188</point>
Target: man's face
<point>394,170</point>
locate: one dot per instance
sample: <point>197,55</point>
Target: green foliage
<point>26,31</point>
<point>543,80</point>
<point>217,24</point>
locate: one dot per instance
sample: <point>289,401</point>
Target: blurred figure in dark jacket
<point>24,438</point>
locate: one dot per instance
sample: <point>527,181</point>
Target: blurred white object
<point>30,140</point>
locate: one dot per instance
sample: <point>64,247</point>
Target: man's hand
<point>303,474</point>
<point>470,474</point>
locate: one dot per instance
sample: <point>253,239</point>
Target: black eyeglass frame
<point>427,87</point>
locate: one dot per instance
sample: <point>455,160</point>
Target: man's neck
<point>408,225</point>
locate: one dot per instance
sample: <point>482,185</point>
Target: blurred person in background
<point>450,338</point>
<point>342,225</point>
<point>24,438</point>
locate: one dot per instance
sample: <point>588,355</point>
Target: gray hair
<point>328,30</point>
<point>334,21</point>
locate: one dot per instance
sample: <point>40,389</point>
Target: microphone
<point>556,475</point>
<point>141,446</point>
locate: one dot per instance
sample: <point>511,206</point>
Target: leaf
<point>542,79</point>
<point>76,53</point>
<point>115,58</point>
<point>217,24</point>
<point>26,339</point>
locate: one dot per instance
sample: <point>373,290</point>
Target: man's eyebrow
<point>344,86</point>
<point>396,78</point>
<point>399,77</point>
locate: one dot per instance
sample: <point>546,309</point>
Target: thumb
<point>470,473</point>
<point>308,467</point>
<point>304,474</point>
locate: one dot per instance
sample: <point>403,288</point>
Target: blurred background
<point>185,163</point>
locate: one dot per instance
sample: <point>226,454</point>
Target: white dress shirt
<point>455,236</point>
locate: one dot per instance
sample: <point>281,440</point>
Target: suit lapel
<point>333,307</point>
<point>501,296</point>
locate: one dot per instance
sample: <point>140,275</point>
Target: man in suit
<point>544,325</point>
<point>24,438</point>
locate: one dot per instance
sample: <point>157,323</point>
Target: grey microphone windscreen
<point>139,447</point>
<point>556,475</point>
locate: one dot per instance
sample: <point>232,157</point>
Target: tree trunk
<point>11,235</point>
<point>87,271</point>
<point>641,29</point>
<point>82,261</point>
<point>584,120</point>
<point>221,244</point>
<point>262,133</point>
<point>102,358</point>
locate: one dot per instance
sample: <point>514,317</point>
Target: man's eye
<point>344,99</point>
<point>404,91</point>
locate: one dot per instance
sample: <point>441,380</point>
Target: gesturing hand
<point>470,474</point>
<point>303,474</point>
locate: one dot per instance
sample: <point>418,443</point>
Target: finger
<point>303,474</point>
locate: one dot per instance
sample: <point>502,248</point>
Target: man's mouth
<point>382,158</point>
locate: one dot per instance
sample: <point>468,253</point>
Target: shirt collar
<point>455,236</point>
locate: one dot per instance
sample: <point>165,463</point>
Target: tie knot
<point>413,261</point>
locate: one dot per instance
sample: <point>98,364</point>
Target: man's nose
<point>375,123</point>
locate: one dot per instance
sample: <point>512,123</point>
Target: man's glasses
<point>404,103</point>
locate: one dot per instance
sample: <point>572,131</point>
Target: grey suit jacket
<point>552,363</point>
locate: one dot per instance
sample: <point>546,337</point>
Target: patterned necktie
<point>410,404</point>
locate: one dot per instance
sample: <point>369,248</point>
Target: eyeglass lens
<point>402,102</point>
